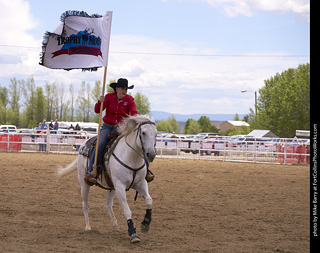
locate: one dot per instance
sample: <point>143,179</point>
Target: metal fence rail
<point>284,151</point>
<point>281,151</point>
<point>43,142</point>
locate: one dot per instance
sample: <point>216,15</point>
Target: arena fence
<point>266,150</point>
<point>255,150</point>
<point>65,142</point>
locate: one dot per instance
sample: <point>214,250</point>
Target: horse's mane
<point>130,123</point>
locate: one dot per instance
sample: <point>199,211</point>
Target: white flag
<point>81,41</point>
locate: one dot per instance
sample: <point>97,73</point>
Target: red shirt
<point>116,109</point>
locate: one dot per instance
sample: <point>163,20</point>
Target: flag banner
<point>81,41</point>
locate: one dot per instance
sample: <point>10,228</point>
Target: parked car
<point>208,135</point>
<point>188,139</point>
<point>25,131</point>
<point>237,140</point>
<point>271,144</point>
<point>198,141</point>
<point>216,144</point>
<point>170,138</point>
<point>8,128</point>
<point>91,130</point>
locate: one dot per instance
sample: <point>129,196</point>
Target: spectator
<point>56,125</point>
<point>44,125</point>
<point>39,128</point>
<point>216,152</point>
<point>51,125</point>
<point>295,142</point>
<point>77,128</point>
<point>174,138</point>
<point>71,127</point>
<point>43,137</point>
<point>43,145</point>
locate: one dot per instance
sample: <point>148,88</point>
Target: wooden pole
<point>100,116</point>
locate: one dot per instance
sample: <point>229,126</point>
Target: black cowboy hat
<point>122,82</point>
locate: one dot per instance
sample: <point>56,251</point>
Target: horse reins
<point>139,132</point>
<point>127,166</point>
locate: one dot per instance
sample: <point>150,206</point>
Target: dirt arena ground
<point>198,206</point>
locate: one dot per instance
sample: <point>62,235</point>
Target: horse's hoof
<point>134,238</point>
<point>88,228</point>
<point>115,229</point>
<point>144,227</point>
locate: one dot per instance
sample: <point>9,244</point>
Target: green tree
<point>232,131</point>
<point>61,98</point>
<point>84,103</point>
<point>54,102</point>
<point>29,92</point>
<point>109,89</point>
<point>14,91</point>
<point>72,102</point>
<point>174,125</point>
<point>186,126</point>
<point>246,118</point>
<point>142,103</point>
<point>236,117</point>
<point>96,92</point>
<point>194,127</point>
<point>205,124</point>
<point>284,103</point>
<point>170,125</point>
<point>3,105</point>
<point>66,116</point>
<point>244,130</point>
<point>191,127</point>
<point>214,129</point>
<point>163,125</point>
<point>50,91</point>
<point>40,105</point>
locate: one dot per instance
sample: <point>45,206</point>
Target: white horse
<point>126,168</point>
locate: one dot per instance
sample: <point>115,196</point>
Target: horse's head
<point>147,135</point>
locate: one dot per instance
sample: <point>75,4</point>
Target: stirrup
<point>149,177</point>
<point>87,182</point>
<point>91,179</point>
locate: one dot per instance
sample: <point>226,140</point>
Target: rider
<point>118,105</point>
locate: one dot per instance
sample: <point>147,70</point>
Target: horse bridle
<point>127,166</point>
<point>138,132</point>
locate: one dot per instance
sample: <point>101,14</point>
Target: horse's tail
<point>68,169</point>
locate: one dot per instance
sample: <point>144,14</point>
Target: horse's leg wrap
<point>147,217</point>
<point>134,238</point>
<point>131,229</point>
<point>145,224</point>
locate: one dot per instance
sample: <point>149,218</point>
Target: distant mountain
<point>159,115</point>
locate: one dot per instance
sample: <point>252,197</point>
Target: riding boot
<point>150,176</point>
<point>91,178</point>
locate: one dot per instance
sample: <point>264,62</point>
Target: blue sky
<point>186,56</point>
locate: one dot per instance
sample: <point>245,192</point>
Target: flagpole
<point>100,116</point>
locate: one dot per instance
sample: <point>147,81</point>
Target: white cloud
<point>17,50</point>
<point>176,84</point>
<point>173,83</point>
<point>249,7</point>
<point>15,22</point>
<point>186,84</point>
<point>132,68</point>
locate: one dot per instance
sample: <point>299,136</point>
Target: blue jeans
<point>104,132</point>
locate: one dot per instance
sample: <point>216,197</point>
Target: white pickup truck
<point>8,128</point>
